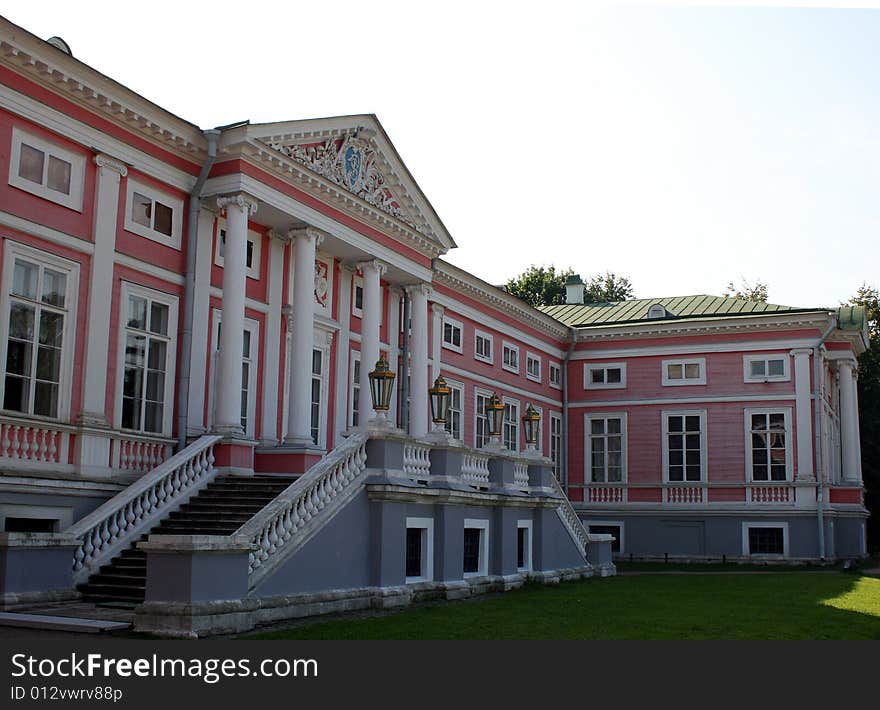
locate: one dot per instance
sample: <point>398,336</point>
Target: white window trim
<point>747,424</point>
<point>519,432</point>
<point>254,237</point>
<point>73,200</point>
<point>624,445</point>
<point>551,367</point>
<point>478,392</point>
<point>532,357</point>
<point>619,523</point>
<point>456,385</point>
<point>701,380</point>
<point>514,348</point>
<point>487,336</point>
<point>427,525</point>
<point>555,416</point>
<point>746,525</point>
<point>704,436</point>
<point>747,368</point>
<point>525,525</point>
<point>71,269</point>
<point>356,282</point>
<point>175,203</point>
<point>588,377</point>
<point>483,567</point>
<point>455,324</point>
<point>167,299</point>
<point>355,356</point>
<point>322,345</point>
<point>253,326</point>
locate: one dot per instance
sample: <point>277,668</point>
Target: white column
<point>343,348</point>
<point>227,413</point>
<point>393,321</point>
<point>418,413</point>
<point>372,271</point>
<point>436,340</point>
<point>803,413</point>
<point>849,421</point>
<point>201,324</point>
<point>272,347</point>
<point>299,427</point>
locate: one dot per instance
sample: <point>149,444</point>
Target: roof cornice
<point>60,73</point>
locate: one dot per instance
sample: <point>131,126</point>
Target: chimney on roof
<point>574,290</point>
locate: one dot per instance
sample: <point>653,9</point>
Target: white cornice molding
<point>747,346</point>
<point>79,83</point>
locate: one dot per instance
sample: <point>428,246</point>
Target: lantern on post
<point>440,394</point>
<point>381,384</point>
<point>495,417</point>
<point>531,425</point>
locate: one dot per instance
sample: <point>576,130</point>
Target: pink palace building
<point>163,285</point>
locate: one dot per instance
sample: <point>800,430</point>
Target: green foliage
<point>756,292</point>
<point>607,288</point>
<point>545,286</point>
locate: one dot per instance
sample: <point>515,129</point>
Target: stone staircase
<point>221,508</point>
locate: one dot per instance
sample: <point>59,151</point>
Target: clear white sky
<point>683,147</point>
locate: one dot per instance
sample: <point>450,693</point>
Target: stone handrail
<point>417,461</point>
<point>475,469</point>
<point>570,519</point>
<point>114,525</point>
<point>283,526</point>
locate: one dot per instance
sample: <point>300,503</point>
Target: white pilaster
<point>393,321</point>
<point>343,347</point>
<point>436,340</point>
<point>227,415</point>
<point>306,242</point>
<point>272,347</point>
<point>803,413</point>
<point>849,421</point>
<point>201,324</point>
<point>418,413</point>
<point>372,271</point>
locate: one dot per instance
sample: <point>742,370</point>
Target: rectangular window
<point>419,549</point>
<point>510,432</point>
<point>766,368</point>
<point>684,372</point>
<point>38,314</point>
<point>555,375</point>
<point>153,214</point>
<point>248,371</point>
<point>765,539</point>
<point>317,398</point>
<point>452,330</point>
<point>523,545</point>
<point>476,548</point>
<point>684,446</point>
<point>483,346</point>
<point>481,421</point>
<point>607,440</point>
<point>607,376</point>
<point>354,419</point>
<point>510,357</point>
<point>556,444</point>
<point>454,415</point>
<point>47,170</point>
<point>357,298</point>
<point>533,367</point>
<point>252,256</point>
<point>768,444</point>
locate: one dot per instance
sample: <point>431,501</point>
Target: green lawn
<point>785,605</point>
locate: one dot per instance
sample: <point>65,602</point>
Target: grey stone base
<point>15,600</point>
<point>199,619</point>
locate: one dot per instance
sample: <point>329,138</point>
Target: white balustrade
<point>521,475</point>
<point>779,495</point>
<point>118,522</point>
<point>606,494</point>
<point>417,461</point>
<point>685,495</point>
<point>570,520</point>
<point>475,469</point>
<point>138,454</point>
<point>33,442</point>
<point>325,487</point>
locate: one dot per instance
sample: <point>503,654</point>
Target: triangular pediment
<point>354,153</point>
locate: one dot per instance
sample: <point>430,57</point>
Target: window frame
<point>528,546</point>
<point>532,358</point>
<point>669,382</point>
<point>483,560</point>
<point>786,539</point>
<point>426,525</point>
<point>254,237</point>
<point>480,415</point>
<point>454,385</point>
<point>322,345</point>
<point>12,250</point>
<point>482,334</point>
<point>454,325</point>
<point>789,461</point>
<point>72,200</point>
<point>747,368</point>
<point>172,302</point>
<point>515,404</point>
<point>557,462</point>
<point>253,327</point>
<point>357,282</point>
<point>605,366</point>
<point>354,358</point>
<point>505,346</point>
<point>551,368</point>
<point>704,436</point>
<point>588,447</point>
<point>175,203</point>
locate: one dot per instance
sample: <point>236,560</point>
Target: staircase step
<point>209,515</point>
<point>60,623</point>
<point>120,578</point>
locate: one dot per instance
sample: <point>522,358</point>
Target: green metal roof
<point>677,307</point>
<point>851,317</point>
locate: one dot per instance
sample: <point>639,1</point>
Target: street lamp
<point>381,384</point>
<point>531,424</point>
<point>440,394</point>
<point>495,417</point>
